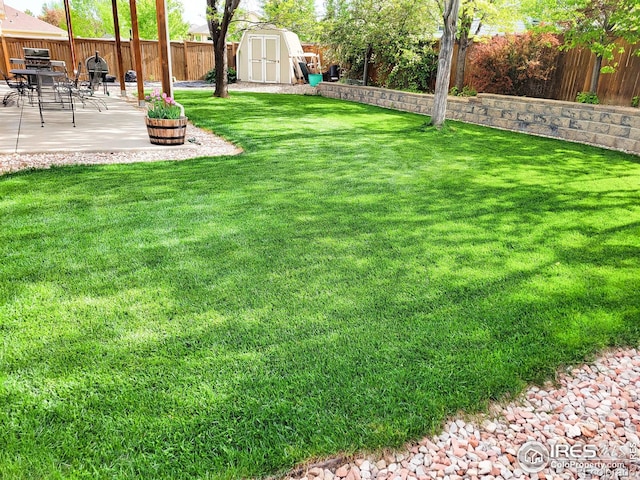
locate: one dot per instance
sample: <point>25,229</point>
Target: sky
<point>193,9</point>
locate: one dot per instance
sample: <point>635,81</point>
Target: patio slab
<point>9,128</point>
<point>119,127</point>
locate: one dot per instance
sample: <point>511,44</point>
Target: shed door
<point>272,59</point>
<point>264,59</point>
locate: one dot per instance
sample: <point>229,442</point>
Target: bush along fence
<point>615,128</point>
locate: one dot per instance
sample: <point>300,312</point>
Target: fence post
<point>186,60</point>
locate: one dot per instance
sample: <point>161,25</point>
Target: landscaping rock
<point>595,405</point>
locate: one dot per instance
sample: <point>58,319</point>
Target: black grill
<point>37,58</point>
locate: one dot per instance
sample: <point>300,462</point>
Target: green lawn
<point>345,284</point>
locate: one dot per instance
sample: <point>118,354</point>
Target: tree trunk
<point>218,26</point>
<point>367,60</point>
<point>450,16</point>
<point>461,62</point>
<point>595,74</point>
<point>463,44</point>
<point>220,61</point>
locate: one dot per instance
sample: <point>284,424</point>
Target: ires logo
<point>534,457</point>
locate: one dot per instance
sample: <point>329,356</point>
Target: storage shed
<point>268,54</point>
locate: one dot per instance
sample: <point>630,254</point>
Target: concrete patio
<point>120,127</point>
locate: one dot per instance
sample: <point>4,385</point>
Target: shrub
<point>210,76</point>
<point>467,91</point>
<point>415,69</point>
<point>514,64</point>
<point>635,101</point>
<point>587,97</point>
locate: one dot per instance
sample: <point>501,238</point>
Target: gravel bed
<point>199,143</point>
<point>584,427</point>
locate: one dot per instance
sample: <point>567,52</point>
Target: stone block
<point>576,135</point>
<point>589,115</point>
<point>492,112</point>
<point>628,145</point>
<point>578,125</point>
<point>598,127</point>
<point>546,130</point>
<point>540,119</point>
<point>630,121</point>
<point>525,117</point>
<point>426,103</point>
<point>544,109</point>
<point>468,108</point>
<point>611,118</point>
<point>608,141</point>
<point>505,104</point>
<point>493,103</point>
<point>504,123</point>
<point>560,121</point>
<point>621,131</point>
<point>473,118</point>
<point>570,112</point>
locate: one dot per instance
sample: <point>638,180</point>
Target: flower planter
<point>166,131</point>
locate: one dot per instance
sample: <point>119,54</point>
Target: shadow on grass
<point>345,284</point>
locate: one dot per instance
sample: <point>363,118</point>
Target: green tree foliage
<point>299,16</point>
<point>415,68</point>
<point>242,19</point>
<point>594,24</point>
<point>390,33</point>
<point>94,18</point>
<point>147,22</point>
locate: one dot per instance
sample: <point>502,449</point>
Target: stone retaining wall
<point>616,128</point>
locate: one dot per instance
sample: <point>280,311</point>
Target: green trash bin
<point>315,79</point>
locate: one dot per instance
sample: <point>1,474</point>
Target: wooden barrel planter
<point>166,131</point>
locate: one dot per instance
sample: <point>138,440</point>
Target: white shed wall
<point>265,55</point>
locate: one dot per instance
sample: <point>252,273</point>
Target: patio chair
<point>53,94</point>
<point>81,90</point>
<point>18,88</point>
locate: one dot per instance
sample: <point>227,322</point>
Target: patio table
<point>49,97</point>
<point>31,74</point>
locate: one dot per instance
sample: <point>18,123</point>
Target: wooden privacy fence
<point>189,60</point>
<point>573,75</point>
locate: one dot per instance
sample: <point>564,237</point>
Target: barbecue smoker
<point>98,69</point>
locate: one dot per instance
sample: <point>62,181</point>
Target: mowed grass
<point>345,284</point>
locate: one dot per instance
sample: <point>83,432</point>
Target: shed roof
<point>291,39</point>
